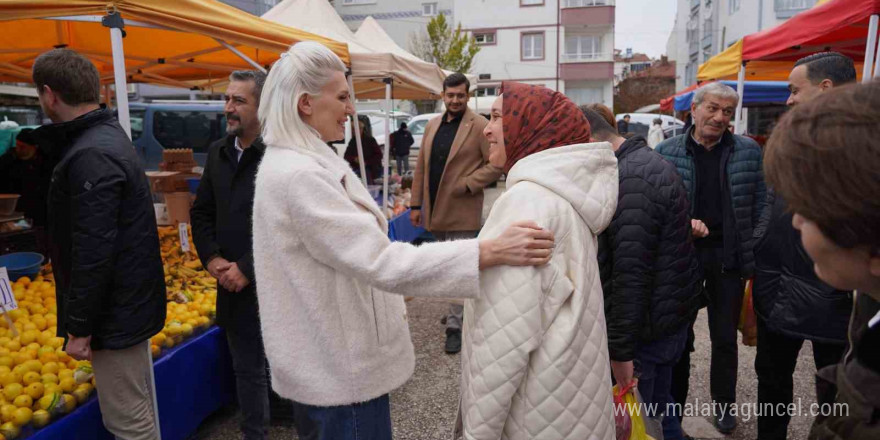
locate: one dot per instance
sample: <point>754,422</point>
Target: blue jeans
<point>360,421</point>
<point>654,362</point>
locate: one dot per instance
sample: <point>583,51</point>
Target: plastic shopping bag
<point>748,323</point>
<point>629,420</point>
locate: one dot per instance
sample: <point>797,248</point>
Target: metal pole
<point>357,134</point>
<point>385,165</point>
<point>115,23</point>
<point>740,88</point>
<point>241,55</point>
<point>870,48</point>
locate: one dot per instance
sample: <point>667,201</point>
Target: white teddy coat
<point>535,357</point>
<point>324,267</point>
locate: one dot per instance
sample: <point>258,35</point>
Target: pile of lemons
<point>37,378</point>
<point>183,320</point>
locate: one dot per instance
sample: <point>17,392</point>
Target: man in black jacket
<point>221,220</point>
<point>649,270</point>
<point>401,141</point>
<point>104,243</point>
<point>791,303</point>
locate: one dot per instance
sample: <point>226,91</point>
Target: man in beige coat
<point>451,172</point>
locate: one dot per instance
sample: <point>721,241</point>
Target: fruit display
<point>38,380</point>
<point>191,290</point>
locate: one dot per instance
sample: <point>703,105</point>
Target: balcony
<point>586,57</point>
<point>693,47</point>
<point>706,41</point>
<point>695,4</point>
<point>587,71</point>
<point>790,8</point>
<point>588,13</point>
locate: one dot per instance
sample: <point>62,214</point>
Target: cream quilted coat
<point>535,356</point>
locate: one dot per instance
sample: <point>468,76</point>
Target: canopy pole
<point>241,55</point>
<point>115,23</point>
<point>740,89</point>
<point>357,133</point>
<point>386,166</point>
<point>876,18</point>
<point>870,49</point>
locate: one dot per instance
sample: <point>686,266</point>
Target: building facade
<point>401,19</point>
<point>704,28</point>
<point>565,45</point>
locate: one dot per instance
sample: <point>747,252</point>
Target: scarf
<point>536,118</point>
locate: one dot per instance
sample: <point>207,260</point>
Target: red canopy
<point>839,25</point>
<point>668,103</point>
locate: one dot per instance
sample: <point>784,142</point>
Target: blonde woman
<point>329,282</point>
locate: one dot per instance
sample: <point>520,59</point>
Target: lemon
<point>22,416</point>
<point>67,385</point>
<point>9,378</point>
<point>4,370</point>
<point>48,402</point>
<point>81,395</point>
<point>50,378</point>
<point>7,361</point>
<point>31,377</point>
<point>13,345</point>
<point>35,390</point>
<point>13,390</point>
<point>65,373</point>
<point>50,367</point>
<point>6,411</point>
<point>51,388</point>
<point>9,430</point>
<point>186,329</point>
<point>41,418</point>
<point>23,401</point>
<point>155,350</point>
<point>68,403</point>
<point>20,370</point>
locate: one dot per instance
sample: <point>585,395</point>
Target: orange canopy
<point>167,42</point>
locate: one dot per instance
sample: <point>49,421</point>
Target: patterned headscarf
<point>536,118</point>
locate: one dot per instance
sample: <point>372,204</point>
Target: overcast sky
<point>644,25</point>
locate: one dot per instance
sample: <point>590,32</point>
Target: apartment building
<point>566,45</point>
<point>703,28</point>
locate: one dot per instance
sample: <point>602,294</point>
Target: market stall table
<point>193,380</point>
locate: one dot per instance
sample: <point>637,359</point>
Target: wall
<point>401,19</point>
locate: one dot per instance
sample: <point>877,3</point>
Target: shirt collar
<point>454,120</point>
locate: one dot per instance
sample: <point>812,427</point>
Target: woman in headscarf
<point>330,282</point>
<point>535,356</point>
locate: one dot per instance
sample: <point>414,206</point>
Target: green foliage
<point>451,49</point>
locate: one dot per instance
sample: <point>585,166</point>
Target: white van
<point>640,123</point>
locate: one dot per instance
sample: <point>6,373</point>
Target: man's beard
<point>234,131</point>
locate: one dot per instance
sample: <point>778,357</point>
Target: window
<point>582,3</point>
<point>418,127</point>
<point>793,5</point>
<point>137,123</point>
<point>531,2</point>
<point>582,47</point>
<point>733,6</point>
<point>358,2</point>
<point>429,9</point>
<point>487,91</point>
<point>532,46</point>
<point>583,96</point>
<point>188,129</point>
<point>485,38</point>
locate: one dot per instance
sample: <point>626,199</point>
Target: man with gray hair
<point>221,223</point>
<point>725,184</point>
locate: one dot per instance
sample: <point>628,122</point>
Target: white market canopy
<point>373,59</point>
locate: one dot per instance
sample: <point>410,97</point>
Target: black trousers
<point>724,289</point>
<point>252,383</point>
<point>775,362</point>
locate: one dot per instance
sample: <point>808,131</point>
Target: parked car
<point>417,128</point>
<point>640,123</point>
<point>163,125</point>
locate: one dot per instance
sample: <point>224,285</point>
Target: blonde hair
<point>304,69</point>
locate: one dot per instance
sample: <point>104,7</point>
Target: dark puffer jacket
<point>743,181</point>
<point>648,265</point>
<point>104,243</point>
<point>789,297</point>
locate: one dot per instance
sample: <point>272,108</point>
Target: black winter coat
<point>401,141</point>
<point>221,221</point>
<point>648,265</point>
<point>788,295</point>
<point>104,243</point>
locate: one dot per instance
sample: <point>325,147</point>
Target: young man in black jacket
<point>221,218</point>
<point>649,270</point>
<point>104,243</point>
<point>791,303</point>
<point>837,214</point>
